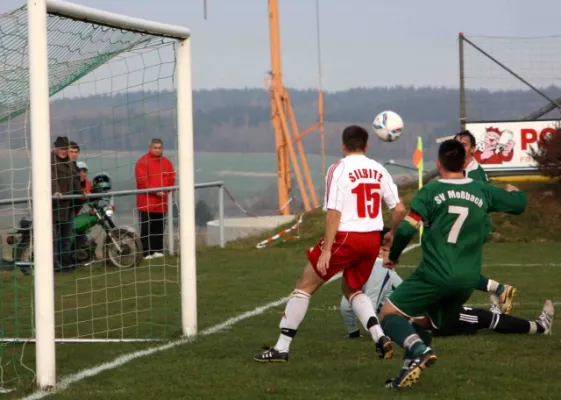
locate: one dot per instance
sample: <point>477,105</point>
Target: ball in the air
<point>388,126</point>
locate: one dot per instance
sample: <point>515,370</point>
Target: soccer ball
<point>388,126</point>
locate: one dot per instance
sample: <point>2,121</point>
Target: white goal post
<point>41,169</point>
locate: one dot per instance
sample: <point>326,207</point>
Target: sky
<point>364,43</point>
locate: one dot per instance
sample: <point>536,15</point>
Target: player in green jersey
<point>453,210</point>
<point>501,294</point>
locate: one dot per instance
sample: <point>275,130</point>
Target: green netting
<point>112,90</point>
<point>75,49</point>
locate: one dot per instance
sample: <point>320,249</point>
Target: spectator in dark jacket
<point>152,171</point>
<point>65,181</point>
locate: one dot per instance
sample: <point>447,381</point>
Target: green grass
<point>324,364</point>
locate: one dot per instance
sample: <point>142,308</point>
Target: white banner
<point>505,146</point>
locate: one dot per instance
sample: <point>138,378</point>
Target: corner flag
<point>418,163</point>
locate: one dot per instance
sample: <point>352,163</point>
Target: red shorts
<point>354,253</point>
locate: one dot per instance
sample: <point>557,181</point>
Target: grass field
<point>324,364</point>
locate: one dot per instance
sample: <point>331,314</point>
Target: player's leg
<point>501,294</point>
<point>349,318</point>
<point>409,301</point>
<point>377,288</point>
<point>294,313</point>
<point>364,310</point>
<point>297,305</point>
<point>503,323</point>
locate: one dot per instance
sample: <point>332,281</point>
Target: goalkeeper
<point>382,283</point>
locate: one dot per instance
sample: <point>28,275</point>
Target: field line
<point>66,381</point>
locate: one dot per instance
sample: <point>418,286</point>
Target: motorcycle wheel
<point>131,249</point>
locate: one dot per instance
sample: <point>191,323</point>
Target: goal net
<point>112,91</point>
<point>510,78</point>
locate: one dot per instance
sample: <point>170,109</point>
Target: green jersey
<point>477,173</point>
<point>454,212</point>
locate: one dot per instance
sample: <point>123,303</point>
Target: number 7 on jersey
<point>462,213</point>
<point>367,199</point>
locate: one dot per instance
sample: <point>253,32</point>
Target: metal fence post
<point>221,214</point>
<point>171,239</point>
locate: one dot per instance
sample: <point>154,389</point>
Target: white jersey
<point>354,186</point>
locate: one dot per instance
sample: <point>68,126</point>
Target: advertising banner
<point>506,146</point>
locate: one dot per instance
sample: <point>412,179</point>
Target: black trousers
<point>152,232</point>
<point>62,238</point>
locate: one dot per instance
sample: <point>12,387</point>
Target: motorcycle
<point>122,248</point>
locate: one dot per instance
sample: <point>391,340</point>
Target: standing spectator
<point>85,183</point>
<point>86,188</point>
<point>74,151</point>
<point>152,171</point>
<point>65,181</point>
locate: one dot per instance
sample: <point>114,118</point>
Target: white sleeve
<point>334,196</point>
<point>389,191</point>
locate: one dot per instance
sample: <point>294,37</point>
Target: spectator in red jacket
<point>153,170</point>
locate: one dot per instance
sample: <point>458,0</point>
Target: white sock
<point>492,286</point>
<point>294,313</point>
<point>533,328</point>
<point>362,306</point>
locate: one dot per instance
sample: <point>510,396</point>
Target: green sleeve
<point>403,236</point>
<point>420,210</point>
<point>478,174</point>
<point>508,202</point>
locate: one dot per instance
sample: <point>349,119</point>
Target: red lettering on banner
<point>530,136</point>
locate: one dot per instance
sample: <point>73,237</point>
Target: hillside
<point>239,120</point>
<point>540,223</point>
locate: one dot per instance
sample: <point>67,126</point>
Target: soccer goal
<point>111,84</point>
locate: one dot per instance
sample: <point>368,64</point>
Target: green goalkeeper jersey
<point>454,212</point>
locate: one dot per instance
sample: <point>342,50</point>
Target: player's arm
<point>333,205</point>
<point>408,227</point>
<point>391,198</point>
<point>509,200</point>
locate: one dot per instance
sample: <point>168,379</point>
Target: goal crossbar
<point>113,20</point>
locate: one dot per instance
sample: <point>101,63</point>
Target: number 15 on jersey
<point>367,199</point>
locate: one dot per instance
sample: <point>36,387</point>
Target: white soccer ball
<point>388,126</point>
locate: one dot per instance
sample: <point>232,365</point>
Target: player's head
<point>467,139</point>
<point>74,151</point>
<point>451,157</point>
<point>156,147</point>
<point>61,146</point>
<point>355,139</point>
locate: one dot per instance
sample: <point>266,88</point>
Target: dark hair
<point>74,145</point>
<point>452,155</point>
<point>355,138</point>
<point>156,141</point>
<point>467,134</point>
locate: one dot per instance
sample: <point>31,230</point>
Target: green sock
<point>482,284</point>
<point>425,336</point>
<point>402,332</point>
<point>500,289</point>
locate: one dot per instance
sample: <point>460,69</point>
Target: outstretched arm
<point>508,200</point>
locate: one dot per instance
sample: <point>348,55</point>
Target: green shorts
<point>415,297</point>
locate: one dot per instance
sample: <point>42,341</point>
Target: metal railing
<point>130,192</point>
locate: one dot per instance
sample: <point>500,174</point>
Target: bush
<point>548,157</point>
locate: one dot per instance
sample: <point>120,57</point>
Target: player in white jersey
<point>355,186</point>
